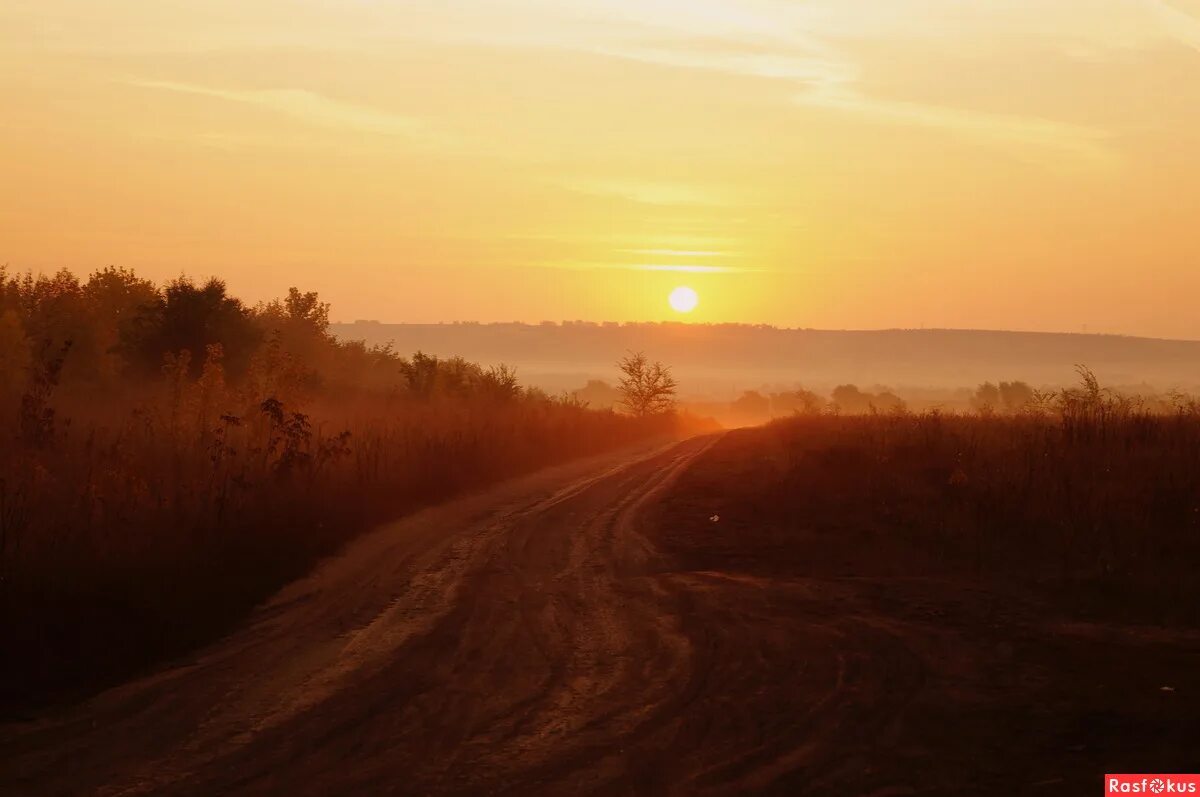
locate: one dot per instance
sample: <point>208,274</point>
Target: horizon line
<point>760,325</point>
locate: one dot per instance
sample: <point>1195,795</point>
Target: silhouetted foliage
<point>1009,397</point>
<point>187,317</point>
<point>752,405</point>
<point>598,394</point>
<point>647,389</point>
<point>1016,396</point>
<point>849,399</point>
<point>799,401</point>
<point>36,426</point>
<point>426,377</point>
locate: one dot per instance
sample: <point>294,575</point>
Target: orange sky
<point>1030,164</point>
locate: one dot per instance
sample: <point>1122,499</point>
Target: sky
<point>1001,164</point>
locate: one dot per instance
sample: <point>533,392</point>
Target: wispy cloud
<point>1177,23</point>
<point>686,268</point>
<point>306,106</point>
<point>647,191</point>
<point>793,44</point>
<point>826,82</point>
<point>1083,145</point>
<point>675,252</point>
<point>689,268</point>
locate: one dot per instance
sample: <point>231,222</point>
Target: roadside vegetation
<point>170,456</point>
<point>1004,398</point>
<point>1082,492</point>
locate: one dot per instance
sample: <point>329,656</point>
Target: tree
<point>298,326</point>
<point>752,405</point>
<point>1012,397</point>
<point>887,401</point>
<point>298,315</point>
<point>113,297</point>
<point>14,357</point>
<point>597,394</point>
<point>1016,396</point>
<point>420,374</point>
<point>646,388</point>
<point>986,399</point>
<point>498,384</point>
<point>190,317</point>
<point>849,399</point>
<point>798,401</point>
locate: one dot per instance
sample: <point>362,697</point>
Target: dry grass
<point>1083,493</point>
<point>137,529</point>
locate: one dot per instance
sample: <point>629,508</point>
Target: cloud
<point>647,192</point>
<point>809,46</point>
<point>689,268</point>
<point>684,268</point>
<point>1177,23</point>
<point>1083,145</point>
<point>795,44</point>
<point>301,104</point>
<point>675,252</point>
<point>826,82</point>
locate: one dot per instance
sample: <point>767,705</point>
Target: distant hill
<point>719,359</point>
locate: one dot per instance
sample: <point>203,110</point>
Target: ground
<point>652,622</point>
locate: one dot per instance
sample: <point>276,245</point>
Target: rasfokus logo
<point>1151,784</point>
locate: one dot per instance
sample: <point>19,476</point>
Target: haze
<point>1015,164</point>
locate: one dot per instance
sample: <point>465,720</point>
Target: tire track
<point>529,641</point>
<point>427,600</point>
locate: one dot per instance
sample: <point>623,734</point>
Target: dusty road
<point>515,641</point>
<point>589,630</point>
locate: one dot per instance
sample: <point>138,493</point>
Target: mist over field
<point>718,361</point>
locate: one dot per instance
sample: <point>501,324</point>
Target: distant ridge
<point>728,355</point>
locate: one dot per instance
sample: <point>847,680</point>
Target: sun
<point>683,299</point>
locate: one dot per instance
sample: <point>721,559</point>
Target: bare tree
<point>646,388</point>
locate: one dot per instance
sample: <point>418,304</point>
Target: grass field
<point>946,605</point>
<point>1103,508</point>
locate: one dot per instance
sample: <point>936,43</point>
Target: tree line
<point>109,334</point>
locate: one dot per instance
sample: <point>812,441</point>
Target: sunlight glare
<point>683,299</point>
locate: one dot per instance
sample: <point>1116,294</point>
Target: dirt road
<point>517,640</point>
<point>559,635</point>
